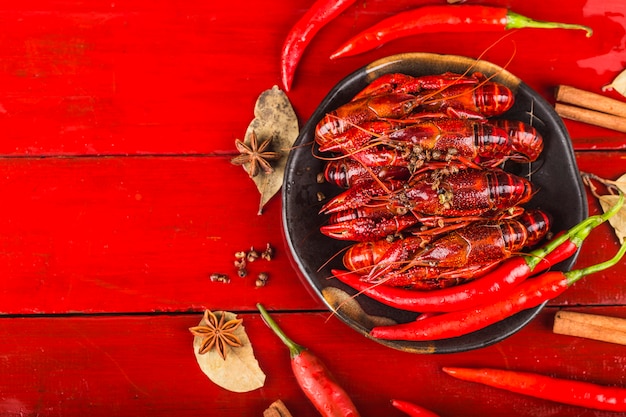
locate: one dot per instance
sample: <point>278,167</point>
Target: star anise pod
<point>255,155</point>
<point>217,333</point>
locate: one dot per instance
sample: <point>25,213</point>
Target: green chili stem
<point>573,276</point>
<point>577,234</point>
<point>294,348</point>
<point>535,257</point>
<point>517,21</point>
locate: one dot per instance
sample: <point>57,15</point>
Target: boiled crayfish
<point>424,194</point>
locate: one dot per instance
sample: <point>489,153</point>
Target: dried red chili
<point>484,289</point>
<point>528,294</point>
<point>320,13</point>
<point>579,393</point>
<point>444,18</point>
<point>412,410</point>
<point>316,381</point>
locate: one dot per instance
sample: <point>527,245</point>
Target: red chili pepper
<point>443,18</point>
<point>412,410</point>
<point>316,381</point>
<point>583,394</point>
<point>320,13</point>
<point>484,289</point>
<point>528,294</point>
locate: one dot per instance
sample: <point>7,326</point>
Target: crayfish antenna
<point>329,260</point>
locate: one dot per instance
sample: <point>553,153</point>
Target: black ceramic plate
<point>555,174</point>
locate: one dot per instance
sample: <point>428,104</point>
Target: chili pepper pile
<point>424,197</point>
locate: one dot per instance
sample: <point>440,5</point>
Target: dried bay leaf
<point>240,371</point>
<point>618,221</point>
<point>608,201</point>
<point>274,119</point>
<point>618,84</point>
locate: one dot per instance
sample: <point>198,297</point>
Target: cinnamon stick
<point>592,101</point>
<point>591,117</point>
<point>591,326</point>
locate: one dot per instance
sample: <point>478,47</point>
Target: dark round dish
<point>555,174</point>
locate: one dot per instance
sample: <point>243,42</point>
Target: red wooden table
<point>118,122</point>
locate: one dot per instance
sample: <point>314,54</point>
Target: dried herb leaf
<point>274,120</point>
<point>618,221</point>
<point>239,371</point>
<point>618,84</point>
<point>607,201</point>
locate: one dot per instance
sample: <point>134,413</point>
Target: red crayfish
<point>469,142</point>
<point>455,247</point>
<point>398,153</point>
<point>388,97</point>
<point>476,247</point>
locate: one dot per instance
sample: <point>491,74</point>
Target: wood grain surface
<point>117,126</point>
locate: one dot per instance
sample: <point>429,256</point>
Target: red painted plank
<point>134,234</point>
<point>144,233</point>
<point>140,365</point>
<point>177,78</point>
<point>131,79</point>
